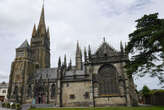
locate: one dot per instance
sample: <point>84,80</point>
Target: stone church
<point>99,80</point>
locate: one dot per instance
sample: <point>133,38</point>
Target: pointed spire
<point>85,53</point>
<point>89,51</point>
<point>48,33</point>
<point>70,64</point>
<point>77,49</point>
<point>65,60</point>
<point>42,25</point>
<point>59,62</point>
<point>34,31</point>
<point>121,47</point>
<point>125,49</point>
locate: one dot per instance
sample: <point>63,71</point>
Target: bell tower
<point>40,43</point>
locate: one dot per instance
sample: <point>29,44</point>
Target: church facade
<point>99,80</point>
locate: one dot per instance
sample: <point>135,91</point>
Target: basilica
<point>98,80</point>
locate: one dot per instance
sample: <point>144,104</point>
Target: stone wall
<point>110,101</point>
<point>73,93</point>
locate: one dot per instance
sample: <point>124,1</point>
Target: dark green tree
<point>145,90</point>
<point>146,47</point>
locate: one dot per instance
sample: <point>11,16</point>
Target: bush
<point>18,107</point>
<point>13,106</point>
<point>3,104</point>
<point>8,105</point>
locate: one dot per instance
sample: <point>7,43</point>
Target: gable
<point>105,50</point>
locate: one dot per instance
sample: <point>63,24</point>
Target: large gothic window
<point>108,85</point>
<point>53,91</point>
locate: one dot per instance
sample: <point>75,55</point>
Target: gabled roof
<point>24,45</point>
<point>105,50</point>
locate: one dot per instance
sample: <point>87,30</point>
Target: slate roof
<point>24,45</point>
<point>74,72</point>
<point>50,73</point>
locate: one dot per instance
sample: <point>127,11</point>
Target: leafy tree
<point>145,90</point>
<point>146,47</point>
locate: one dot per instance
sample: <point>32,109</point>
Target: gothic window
<point>53,91</point>
<point>72,96</point>
<point>29,91</point>
<point>15,93</point>
<point>4,91</point>
<point>15,90</point>
<point>67,85</point>
<point>107,81</point>
<point>86,95</point>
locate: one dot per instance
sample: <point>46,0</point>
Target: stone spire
<point>78,57</point>
<point>34,31</point>
<point>42,25</point>
<point>59,62</point>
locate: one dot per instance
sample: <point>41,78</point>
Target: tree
<point>145,90</point>
<point>146,47</point>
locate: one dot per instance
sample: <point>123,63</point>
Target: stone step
<point>26,106</point>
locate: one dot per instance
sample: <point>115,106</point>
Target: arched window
<point>108,85</point>
<point>53,91</point>
<point>15,93</point>
<point>29,91</point>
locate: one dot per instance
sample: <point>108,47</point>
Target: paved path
<point>5,108</point>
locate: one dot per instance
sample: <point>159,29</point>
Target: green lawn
<point>106,108</point>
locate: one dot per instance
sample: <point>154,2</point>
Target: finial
<point>104,39</point>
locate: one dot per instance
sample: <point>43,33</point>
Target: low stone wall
<point>110,101</point>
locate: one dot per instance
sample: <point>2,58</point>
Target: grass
<point>105,108</point>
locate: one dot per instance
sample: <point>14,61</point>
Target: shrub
<point>18,107</point>
<point>3,104</point>
<point>8,105</point>
<point>13,106</point>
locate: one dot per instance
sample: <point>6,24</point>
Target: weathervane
<point>43,2</point>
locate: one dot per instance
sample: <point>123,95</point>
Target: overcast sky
<point>87,21</point>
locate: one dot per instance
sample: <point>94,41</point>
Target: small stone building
<point>99,80</point>
<point>3,91</point>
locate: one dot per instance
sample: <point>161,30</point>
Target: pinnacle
<point>34,31</point>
